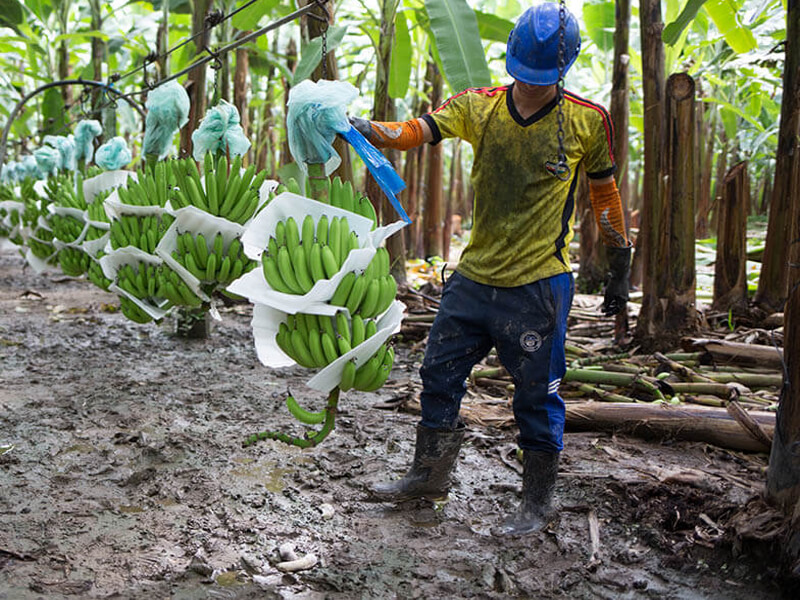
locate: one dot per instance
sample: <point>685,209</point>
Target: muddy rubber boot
<point>430,474</point>
<point>539,470</point>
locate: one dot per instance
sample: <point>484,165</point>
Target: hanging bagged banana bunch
<point>232,194</point>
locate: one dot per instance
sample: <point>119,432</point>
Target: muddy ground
<point>123,475</point>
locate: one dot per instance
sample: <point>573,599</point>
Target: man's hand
<point>363,127</point>
<point>617,280</point>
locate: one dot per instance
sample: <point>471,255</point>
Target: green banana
<point>302,415</point>
<point>339,297</point>
<point>348,376</point>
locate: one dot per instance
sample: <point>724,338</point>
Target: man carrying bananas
<point>513,286</point>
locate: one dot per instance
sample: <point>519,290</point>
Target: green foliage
<point>311,53</point>
<point>458,44</point>
<point>249,17</point>
<point>599,20</point>
<point>402,55</point>
<point>11,13</point>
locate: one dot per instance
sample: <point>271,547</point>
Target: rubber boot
<point>539,470</point>
<point>430,474</point>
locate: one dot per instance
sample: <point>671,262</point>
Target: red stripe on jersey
<point>486,91</point>
<point>607,123</point>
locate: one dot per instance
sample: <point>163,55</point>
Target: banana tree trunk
<point>704,196</point>
<point>772,282</point>
<point>384,110</point>
<point>783,476</point>
<point>730,274</point>
<point>330,69</point>
<point>652,218</point>
<point>196,79</point>
<point>432,235</point>
<point>620,93</point>
<point>241,87</point>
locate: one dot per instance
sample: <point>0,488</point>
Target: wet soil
<point>122,475</point>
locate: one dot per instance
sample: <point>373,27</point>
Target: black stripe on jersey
<point>437,135</point>
<point>566,215</point>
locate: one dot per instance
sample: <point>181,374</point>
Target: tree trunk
<point>241,88</point>
<point>695,423</point>
<point>620,98</point>
<point>730,273</point>
<point>432,236</point>
<point>329,69</point>
<point>719,178</point>
<point>653,219</point>
<point>291,63</point>
<point>783,477</point>
<point>196,79</point>
<point>772,282</point>
<point>704,196</point>
<point>384,110</point>
<point>107,115</point>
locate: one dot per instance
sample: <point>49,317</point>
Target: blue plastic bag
<point>380,167</point>
<point>220,131</point>
<point>114,154</point>
<point>167,111</point>
<point>85,132</point>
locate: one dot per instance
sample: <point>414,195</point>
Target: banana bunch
<point>53,187</point>
<point>142,232</point>
<point>96,212</point>
<point>370,292</point>
<point>94,273</point>
<point>315,341</point>
<point>150,188</point>
<point>132,310</point>
<point>212,263</point>
<point>65,228</point>
<point>66,197</point>
<point>41,243</point>
<point>152,284</point>
<point>73,261</point>
<point>342,195</point>
<point>296,258</point>
<point>232,194</point>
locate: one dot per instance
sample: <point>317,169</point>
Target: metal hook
<point>217,64</point>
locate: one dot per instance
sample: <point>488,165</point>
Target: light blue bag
<point>48,160</point>
<point>167,111</point>
<point>114,154</point>
<point>220,131</point>
<point>85,132</point>
<point>66,150</point>
<point>317,112</point>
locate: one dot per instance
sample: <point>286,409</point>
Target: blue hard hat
<point>532,50</point>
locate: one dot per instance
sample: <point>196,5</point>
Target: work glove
<point>617,280</point>
<point>363,127</point>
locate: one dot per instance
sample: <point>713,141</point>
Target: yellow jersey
<point>523,212</point>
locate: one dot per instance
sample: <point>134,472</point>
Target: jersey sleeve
<point>599,159</point>
<point>451,119</point>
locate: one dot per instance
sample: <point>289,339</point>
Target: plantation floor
<point>122,475</point>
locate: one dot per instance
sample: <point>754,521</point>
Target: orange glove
<point>401,136</point>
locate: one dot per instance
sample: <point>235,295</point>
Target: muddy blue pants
<point>527,325</point>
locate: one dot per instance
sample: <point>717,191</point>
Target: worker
<point>513,286</point>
